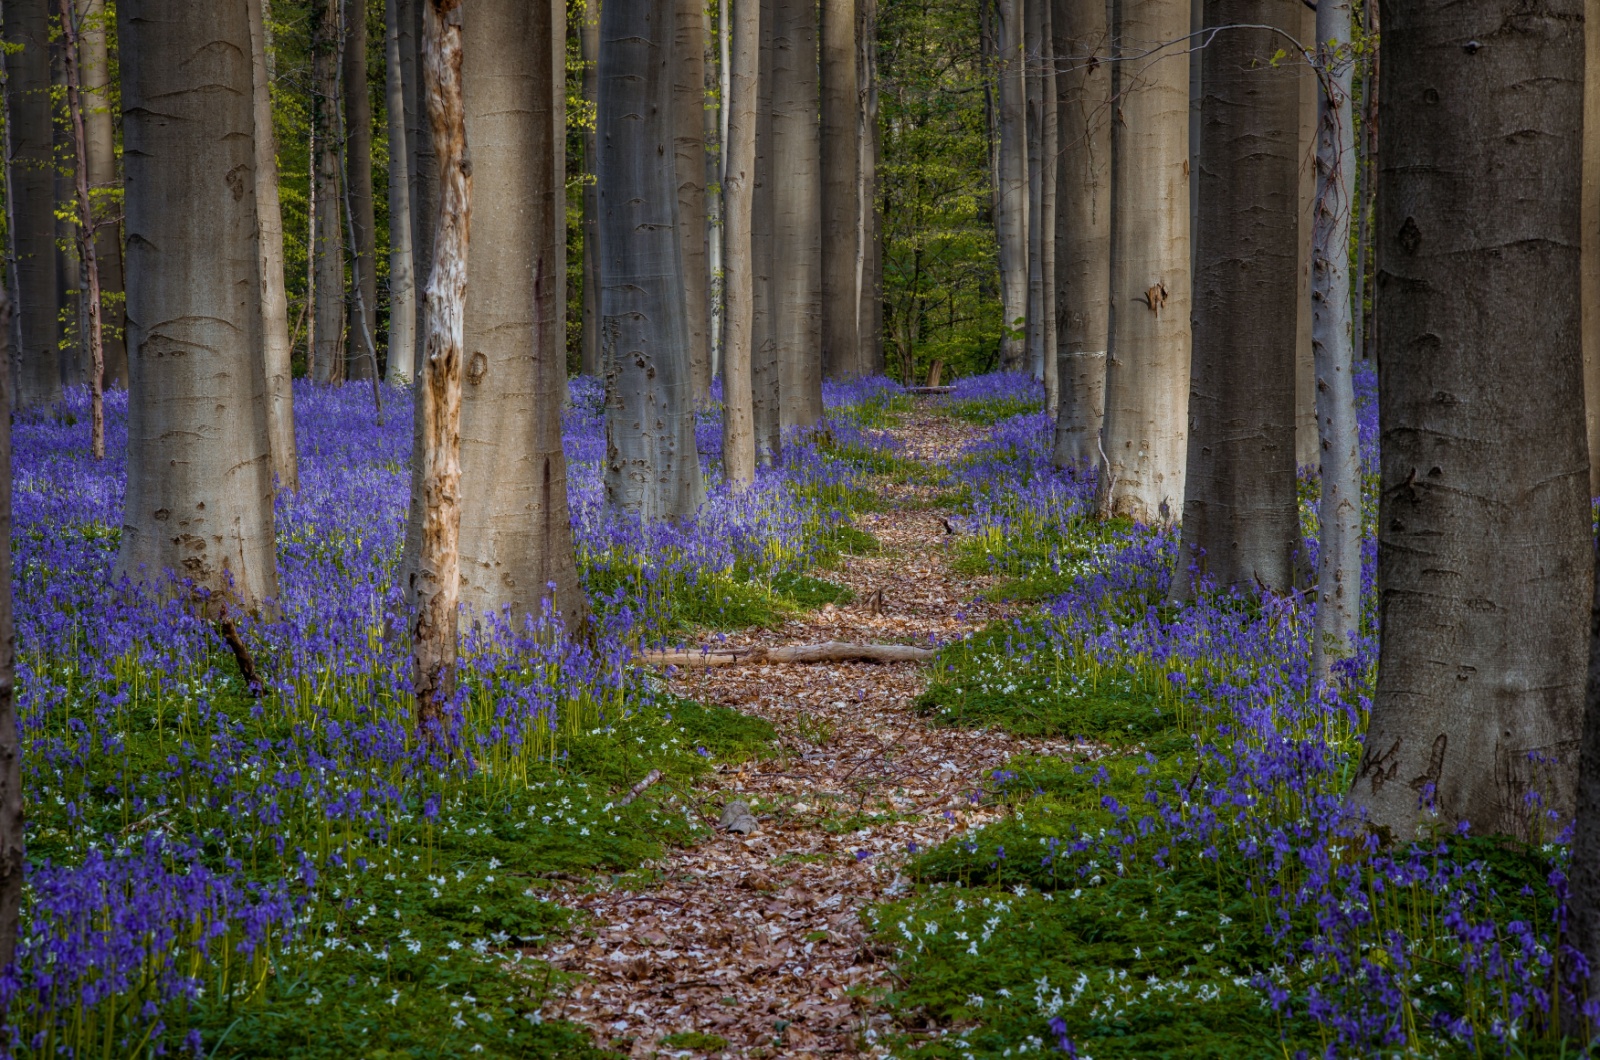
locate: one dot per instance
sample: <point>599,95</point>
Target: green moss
<point>990,411</point>
<point>700,1043</point>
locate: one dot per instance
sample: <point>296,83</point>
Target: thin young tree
<point>436,578</point>
<point>1011,193</point>
<point>276,348</point>
<point>12,837</point>
<point>516,533</point>
<point>1147,368</point>
<point>738,424</point>
<point>1333,338</point>
<point>32,183</point>
<point>689,145</point>
<point>841,186</point>
<point>1483,518</point>
<point>652,468</point>
<point>402,276</point>
<point>101,149</point>
<point>796,283</point>
<point>327,222</point>
<point>1241,520</point>
<point>199,494</point>
<point>589,41</point>
<point>361,360</point>
<point>1083,227</point>
<point>86,229</point>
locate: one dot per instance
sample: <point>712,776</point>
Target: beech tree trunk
<point>764,373</point>
<point>796,213</point>
<point>589,42</point>
<point>38,361</point>
<point>713,122</point>
<point>90,320</point>
<point>423,168</point>
<point>738,423</point>
<point>199,495</point>
<point>1012,191</point>
<point>361,363</point>
<point>1050,145</point>
<point>516,532</point>
<point>652,468</point>
<point>688,122</point>
<point>1483,561</point>
<point>1241,520</point>
<point>436,581</point>
<point>1583,872</point>
<point>841,188</point>
<point>1147,368</point>
<point>328,317</point>
<point>12,838</point>
<point>869,292</point>
<point>1033,92</point>
<point>1083,227</point>
<point>1305,387</point>
<point>402,278</point>
<point>1333,336</point>
<point>100,132</point>
<point>276,349</point>
<point>1589,275</point>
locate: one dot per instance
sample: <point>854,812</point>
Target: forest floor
<point>758,940</point>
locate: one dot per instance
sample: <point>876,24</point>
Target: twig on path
<point>638,789</point>
<point>829,651</point>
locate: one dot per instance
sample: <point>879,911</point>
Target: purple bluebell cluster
<point>140,736</point>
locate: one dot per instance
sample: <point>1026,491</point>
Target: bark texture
<point>1147,368</point>
<point>1305,387</point>
<point>362,362</point>
<point>401,364</point>
<point>100,133</point>
<point>327,269</point>
<point>1483,567</point>
<point>276,349</point>
<point>1583,873</point>
<point>688,120</point>
<point>199,495</point>
<point>1333,339</point>
<point>841,188</point>
<point>37,364</point>
<point>423,168</point>
<point>764,381</point>
<point>652,469</point>
<point>1241,518</point>
<point>1012,186</point>
<point>1083,227</point>
<point>90,320</point>
<point>12,848</point>
<point>869,291</point>
<point>436,581</point>
<point>1589,274</point>
<point>738,424</point>
<point>516,531</point>
<point>796,284</point>
<point>1049,166</point>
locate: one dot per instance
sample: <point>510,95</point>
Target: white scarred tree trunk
<point>199,496</point>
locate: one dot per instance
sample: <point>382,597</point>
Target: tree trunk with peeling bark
<point>37,365</point>
<point>436,581</point>
<point>276,349</point>
<point>1484,523</point>
<point>199,494</point>
<point>652,469</point>
<point>1147,368</point>
<point>516,530</point>
<point>1083,227</point>
<point>1241,518</point>
<point>738,424</point>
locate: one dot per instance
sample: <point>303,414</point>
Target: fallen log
<point>829,651</point>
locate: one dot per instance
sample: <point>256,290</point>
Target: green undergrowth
<point>1040,560</point>
<point>987,412</point>
<point>421,936</point>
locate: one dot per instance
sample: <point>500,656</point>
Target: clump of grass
<point>986,412</point>
<point>695,1040</point>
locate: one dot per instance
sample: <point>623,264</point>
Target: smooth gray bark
<point>37,363</point>
<point>1305,387</point>
<point>841,189</point>
<point>796,283</point>
<point>870,283</point>
<point>199,495</point>
<point>1012,186</point>
<point>1049,166</point>
<point>1241,524</point>
<point>516,531</point>
<point>688,118</point>
<point>764,374</point>
<point>361,362</point>
<point>1333,338</point>
<point>652,469</point>
<point>1083,227</point>
<point>1483,521</point>
<point>738,424</point>
<point>401,366</point>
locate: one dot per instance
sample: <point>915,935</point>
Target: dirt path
<point>758,940</point>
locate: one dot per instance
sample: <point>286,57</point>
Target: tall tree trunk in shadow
<point>1305,387</point>
<point>38,359</point>
<point>100,130</point>
<point>738,424</point>
<point>361,363</point>
<point>1589,275</point>
<point>764,373</point>
<point>869,292</point>
<point>12,837</point>
<point>841,187</point>
<point>1083,227</point>
<point>401,364</point>
<point>589,41</point>
<point>1147,367</point>
<point>652,469</point>
<point>1012,186</point>
<point>328,317</point>
<point>199,495</point>
<point>688,121</point>
<point>796,213</point>
<point>1483,519</point>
